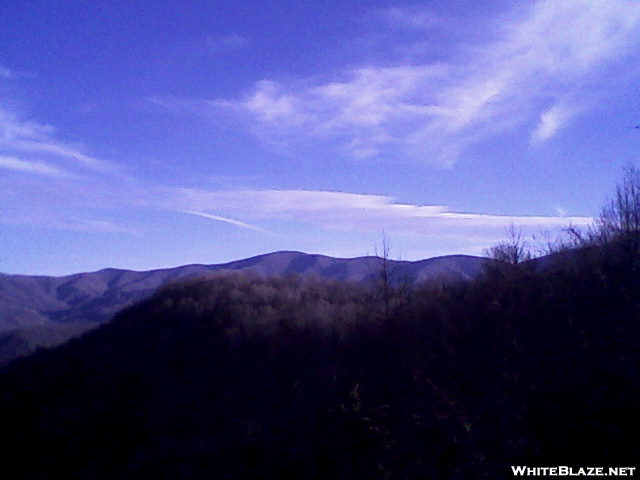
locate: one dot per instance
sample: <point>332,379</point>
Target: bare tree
<point>620,217</point>
<point>391,286</point>
<point>384,275</point>
<point>514,250</point>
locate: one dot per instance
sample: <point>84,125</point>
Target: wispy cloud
<point>5,72</point>
<point>226,42</point>
<point>33,216</point>
<point>37,168</point>
<point>433,110</point>
<point>94,226</point>
<point>50,183</point>
<point>413,17</point>
<point>196,51</point>
<point>33,138</point>
<point>61,150</point>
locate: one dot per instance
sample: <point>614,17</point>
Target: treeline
<point>234,376</point>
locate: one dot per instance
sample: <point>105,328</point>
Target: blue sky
<point>150,134</point>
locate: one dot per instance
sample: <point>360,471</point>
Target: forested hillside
<point>238,376</point>
<point>40,311</point>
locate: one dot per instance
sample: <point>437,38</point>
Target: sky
<point>151,134</point>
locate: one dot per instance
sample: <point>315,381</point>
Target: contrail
<point>232,221</point>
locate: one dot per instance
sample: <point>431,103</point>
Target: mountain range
<point>43,311</point>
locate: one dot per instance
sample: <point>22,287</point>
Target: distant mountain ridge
<point>45,311</point>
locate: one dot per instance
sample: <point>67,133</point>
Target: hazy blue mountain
<point>46,311</point>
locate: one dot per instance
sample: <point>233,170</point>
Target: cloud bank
<point>353,212</point>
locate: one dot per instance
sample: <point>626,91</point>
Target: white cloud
<point>432,111</point>
<point>352,212</point>
<point>28,137</point>
<point>61,150</point>
<point>551,121</point>
<point>272,105</point>
<point>11,128</point>
<point>37,168</point>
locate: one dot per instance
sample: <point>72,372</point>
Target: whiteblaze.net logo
<point>564,471</point>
